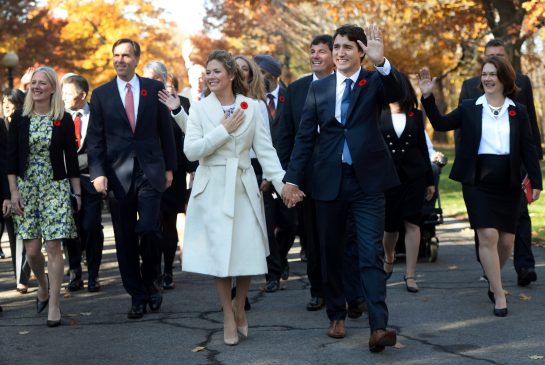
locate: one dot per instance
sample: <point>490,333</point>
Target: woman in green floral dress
<point>42,167</point>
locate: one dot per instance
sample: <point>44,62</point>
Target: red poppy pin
<point>362,82</point>
<point>144,92</point>
<point>244,105</point>
<point>281,98</point>
<point>512,113</point>
<point>410,114</point>
<point>57,123</point>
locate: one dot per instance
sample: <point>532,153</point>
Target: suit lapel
<point>142,99</point>
<point>116,97</point>
<point>514,122</point>
<point>279,105</point>
<point>476,117</point>
<point>331,95</point>
<point>357,91</point>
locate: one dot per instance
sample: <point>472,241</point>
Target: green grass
<point>453,205</point>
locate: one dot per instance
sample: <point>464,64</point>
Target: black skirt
<point>492,202</point>
<point>404,204</point>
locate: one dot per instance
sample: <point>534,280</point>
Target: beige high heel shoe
<point>231,341</point>
<point>242,330</point>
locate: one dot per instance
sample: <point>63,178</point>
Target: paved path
<point>449,322</point>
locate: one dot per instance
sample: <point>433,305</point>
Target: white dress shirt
<point>399,120</point>
<point>495,132</point>
<point>135,86</point>
<point>85,112</point>
<point>274,93</point>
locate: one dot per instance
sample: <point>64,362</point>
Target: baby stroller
<point>432,216</point>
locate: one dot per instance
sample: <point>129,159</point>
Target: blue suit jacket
<point>112,146</point>
<point>372,163</point>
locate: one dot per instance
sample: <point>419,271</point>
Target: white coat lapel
<point>241,102</point>
<point>212,109</point>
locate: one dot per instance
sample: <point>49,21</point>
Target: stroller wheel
<point>434,248</point>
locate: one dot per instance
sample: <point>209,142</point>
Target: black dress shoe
<point>500,312</point>
<point>285,272</point>
<point>137,311</point>
<point>155,301</point>
<point>526,276</point>
<point>75,285</point>
<point>93,285</point>
<point>40,306</point>
<point>271,286</point>
<point>53,323</point>
<point>2,255</point>
<point>168,282</point>
<point>356,309</point>
<point>1,309</point>
<point>315,303</point>
<point>410,289</point>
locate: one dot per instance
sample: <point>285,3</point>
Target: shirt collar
<point>123,84</point>
<point>353,77</point>
<point>83,111</point>
<point>482,101</point>
<point>275,91</point>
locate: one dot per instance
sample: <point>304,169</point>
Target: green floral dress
<point>47,210</point>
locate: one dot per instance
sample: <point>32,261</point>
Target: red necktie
<point>77,128</point>
<point>272,108</point>
<point>129,107</point>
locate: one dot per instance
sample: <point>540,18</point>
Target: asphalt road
<point>449,321</point>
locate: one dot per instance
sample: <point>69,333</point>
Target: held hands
<point>101,185</point>
<point>6,208</point>
<point>17,205</point>
<point>375,45</point>
<point>171,101</point>
<point>291,195</point>
<point>232,123</point>
<point>425,82</point>
<point>430,190</point>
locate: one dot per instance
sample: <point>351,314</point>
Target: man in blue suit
<point>352,168</point>
<point>132,155</point>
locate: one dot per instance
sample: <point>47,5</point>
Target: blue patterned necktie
<point>345,104</point>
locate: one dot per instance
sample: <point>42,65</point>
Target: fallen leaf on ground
<point>453,267</point>
<point>67,295</point>
<point>523,296</point>
<point>199,349</point>
<point>72,322</point>
<point>536,357</point>
<point>85,313</point>
<point>24,332</point>
<point>399,345</point>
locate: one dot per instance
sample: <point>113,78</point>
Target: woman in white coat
<point>225,233</point>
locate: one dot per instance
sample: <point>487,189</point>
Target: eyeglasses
<point>489,74</point>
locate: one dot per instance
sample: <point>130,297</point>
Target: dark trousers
<point>368,211</point>
<point>281,227</point>
<point>91,236</point>
<point>309,239</point>
<point>523,257</point>
<point>138,238</point>
<point>353,289</point>
<point>21,269</point>
<point>170,239</point>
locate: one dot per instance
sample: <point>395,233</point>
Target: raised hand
<point>375,45</point>
<point>425,82</point>
<point>171,101</point>
<point>232,123</point>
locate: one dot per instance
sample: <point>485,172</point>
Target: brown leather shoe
<point>336,329</point>
<point>380,339</point>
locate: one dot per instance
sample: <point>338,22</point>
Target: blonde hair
<point>56,103</point>
<point>255,82</point>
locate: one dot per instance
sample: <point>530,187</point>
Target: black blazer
<point>470,90</point>
<point>373,166</point>
<point>468,118</point>
<point>174,198</point>
<point>63,149</point>
<point>277,128</point>
<point>112,146</point>
<point>409,151</point>
<point>3,167</point>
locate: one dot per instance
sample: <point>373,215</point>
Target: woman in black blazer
<point>42,167</point>
<point>495,140</point>
<point>402,127</point>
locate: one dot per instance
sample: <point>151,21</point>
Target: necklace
<point>41,115</point>
<point>495,109</point>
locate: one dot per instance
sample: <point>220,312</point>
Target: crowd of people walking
<point>338,158</point>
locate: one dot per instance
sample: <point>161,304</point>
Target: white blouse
<point>495,132</point>
<point>399,120</point>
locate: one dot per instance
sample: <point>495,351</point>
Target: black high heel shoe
<point>53,323</point>
<point>500,312</point>
<point>41,305</point>
<point>491,294</point>
<point>410,289</point>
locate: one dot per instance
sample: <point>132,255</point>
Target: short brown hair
<point>135,45</point>
<point>506,75</point>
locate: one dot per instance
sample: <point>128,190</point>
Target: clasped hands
<point>291,195</point>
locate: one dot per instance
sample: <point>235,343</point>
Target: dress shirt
<point>399,120</point>
<point>274,93</point>
<point>135,86</point>
<point>84,112</point>
<point>495,132</point>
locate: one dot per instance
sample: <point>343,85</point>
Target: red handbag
<point>527,189</point>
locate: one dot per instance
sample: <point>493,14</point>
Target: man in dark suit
<point>132,154</point>
<point>352,169</point>
<point>281,221</point>
<point>75,89</point>
<point>524,261</point>
<point>321,63</point>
